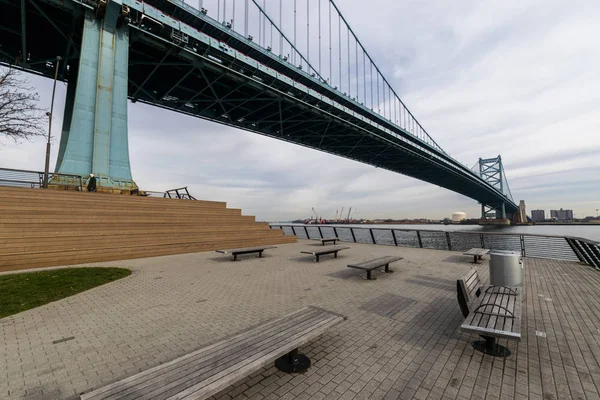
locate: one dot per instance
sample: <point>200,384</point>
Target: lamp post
<point>58,58</point>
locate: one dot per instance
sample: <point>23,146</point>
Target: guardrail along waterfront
<point>567,248</point>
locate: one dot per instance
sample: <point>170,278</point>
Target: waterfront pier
<point>402,339</point>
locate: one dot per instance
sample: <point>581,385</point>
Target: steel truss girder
<point>270,87</point>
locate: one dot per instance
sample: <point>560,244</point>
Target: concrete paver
<point>401,340</point>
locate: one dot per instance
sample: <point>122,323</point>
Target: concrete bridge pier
<point>94,134</point>
<point>501,216</point>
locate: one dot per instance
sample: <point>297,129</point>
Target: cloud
<point>485,78</point>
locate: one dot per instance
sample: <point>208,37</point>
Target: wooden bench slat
<point>375,263</point>
<point>247,338</point>
<point>326,250</point>
<point>477,253</point>
<point>508,323</point>
<point>256,363</point>
<point>241,250</point>
<point>494,321</point>
<point>212,373</point>
<point>216,364</point>
<point>208,368</point>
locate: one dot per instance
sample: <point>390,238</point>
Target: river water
<point>591,232</point>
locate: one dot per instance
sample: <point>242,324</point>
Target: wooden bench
<point>493,312</point>
<point>207,371</point>
<point>376,263</point>
<point>247,250</point>
<point>328,250</point>
<point>326,240</point>
<point>477,253</point>
<point>468,289</point>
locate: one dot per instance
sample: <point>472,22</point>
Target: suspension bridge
<point>289,70</point>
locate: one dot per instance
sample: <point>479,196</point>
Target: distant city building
<point>561,215</point>
<point>522,212</point>
<point>538,215</point>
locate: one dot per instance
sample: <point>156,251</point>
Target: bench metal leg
<point>235,257</point>
<point>335,255</point>
<point>475,260</point>
<point>293,362</point>
<point>387,269</point>
<point>259,254</point>
<point>369,276</point>
<point>490,346</point>
<point>317,257</point>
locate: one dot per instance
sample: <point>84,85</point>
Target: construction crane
<point>342,214</point>
<point>316,216</point>
<point>348,219</point>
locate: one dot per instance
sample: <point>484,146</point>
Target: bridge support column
<point>94,137</point>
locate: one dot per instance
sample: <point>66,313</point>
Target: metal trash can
<point>506,268</point>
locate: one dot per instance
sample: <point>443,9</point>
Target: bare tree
<point>20,116</point>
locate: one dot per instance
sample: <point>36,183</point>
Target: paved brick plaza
<point>401,340</point>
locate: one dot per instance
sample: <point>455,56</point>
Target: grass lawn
<point>20,292</point>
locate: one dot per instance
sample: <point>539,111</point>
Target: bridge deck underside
<point>211,86</point>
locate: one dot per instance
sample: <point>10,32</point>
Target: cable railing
<point>568,248</point>
<point>35,179</point>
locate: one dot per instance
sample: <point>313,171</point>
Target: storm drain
<point>387,305</point>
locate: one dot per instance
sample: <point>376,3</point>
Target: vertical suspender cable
<point>281,27</point>
<point>224,10</point>
<point>308,35</point>
<point>371,83</point>
<point>246,20</point>
<point>271,39</point>
<point>264,21</point>
<point>340,49</point>
<point>233,17</point>
<point>219,10</point>
<point>319,37</point>
<point>378,103</point>
<point>330,56</point>
<point>383,95</point>
<point>390,99</point>
<point>356,56</point>
<point>364,79</point>
<point>295,30</point>
<point>348,48</point>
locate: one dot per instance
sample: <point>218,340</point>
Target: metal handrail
<point>175,192</point>
<point>33,179</point>
<point>570,248</point>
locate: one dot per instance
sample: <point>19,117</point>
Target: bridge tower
<point>94,133</point>
<point>492,171</point>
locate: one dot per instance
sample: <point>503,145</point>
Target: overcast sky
<point>518,78</point>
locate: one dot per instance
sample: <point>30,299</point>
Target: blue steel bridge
<point>293,71</point>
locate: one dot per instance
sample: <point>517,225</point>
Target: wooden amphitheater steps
<point>43,228</point>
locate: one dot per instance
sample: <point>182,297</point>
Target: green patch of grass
<point>20,292</point>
